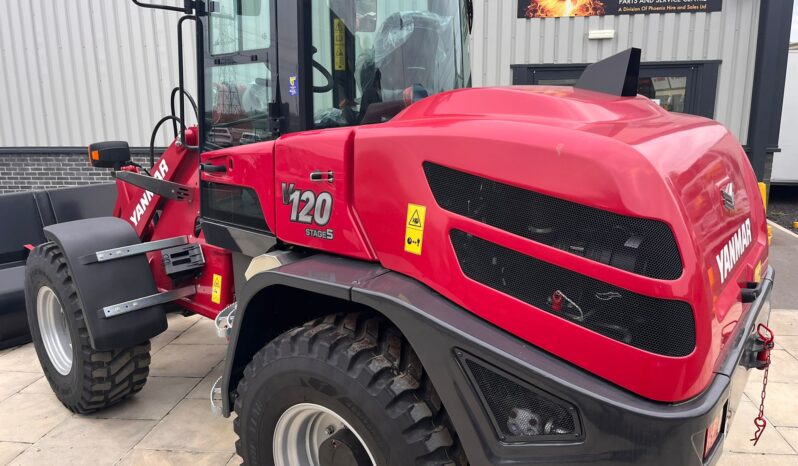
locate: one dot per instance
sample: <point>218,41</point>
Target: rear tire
<point>83,379</point>
<point>338,376</point>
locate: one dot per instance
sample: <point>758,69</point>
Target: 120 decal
<point>310,208</point>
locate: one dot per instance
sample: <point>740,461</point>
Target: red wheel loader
<point>411,271</point>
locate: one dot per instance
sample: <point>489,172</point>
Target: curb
<point>785,230</point>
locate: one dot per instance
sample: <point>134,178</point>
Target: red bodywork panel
<point>141,208</point>
<point>622,155</point>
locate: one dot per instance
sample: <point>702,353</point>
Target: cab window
<point>238,75</point>
<point>239,26</point>
<point>371,58</point>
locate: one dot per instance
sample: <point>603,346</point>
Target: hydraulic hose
<point>155,133</point>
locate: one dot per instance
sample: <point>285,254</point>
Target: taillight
<point>713,432</point>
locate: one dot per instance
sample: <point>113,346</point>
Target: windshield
<point>371,58</point>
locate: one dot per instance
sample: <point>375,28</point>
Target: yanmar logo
<point>733,250</point>
<point>144,202</point>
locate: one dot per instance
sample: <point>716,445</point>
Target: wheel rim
<point>54,331</point>
<point>302,429</point>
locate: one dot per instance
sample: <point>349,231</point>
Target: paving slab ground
<point>169,422</point>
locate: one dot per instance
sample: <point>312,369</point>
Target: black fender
<point>320,274</point>
<point>102,284</point>
<point>617,426</point>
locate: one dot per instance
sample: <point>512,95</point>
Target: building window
<point>685,87</point>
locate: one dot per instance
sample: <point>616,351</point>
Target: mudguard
<point>102,284</point>
<point>618,427</point>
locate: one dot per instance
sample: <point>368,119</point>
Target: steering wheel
<point>327,75</point>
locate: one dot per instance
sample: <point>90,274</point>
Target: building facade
<point>88,70</point>
<point>785,163</point>
<point>696,62</point>
<point>78,72</point>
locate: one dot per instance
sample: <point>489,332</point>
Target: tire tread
<point>108,376</point>
<point>369,349</point>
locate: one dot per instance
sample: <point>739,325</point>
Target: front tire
<point>348,385</point>
<point>83,379</point>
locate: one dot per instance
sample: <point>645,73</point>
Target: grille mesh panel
<point>642,246</point>
<point>519,413</point>
<point>665,327</point>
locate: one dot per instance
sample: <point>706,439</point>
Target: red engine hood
<point>623,155</point>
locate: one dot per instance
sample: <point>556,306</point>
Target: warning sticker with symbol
<point>414,228</point>
<point>216,290</point>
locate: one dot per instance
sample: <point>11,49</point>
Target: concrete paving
<point>784,259</point>
<point>169,422</point>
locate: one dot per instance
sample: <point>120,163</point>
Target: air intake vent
<point>521,412</point>
<point>665,327</point>
<point>641,246</point>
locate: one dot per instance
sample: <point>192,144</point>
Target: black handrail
<point>187,8</point>
<point>182,117</point>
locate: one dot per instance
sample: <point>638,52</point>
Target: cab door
<point>237,160</point>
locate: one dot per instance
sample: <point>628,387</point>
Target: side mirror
<point>110,154</point>
<point>249,7</point>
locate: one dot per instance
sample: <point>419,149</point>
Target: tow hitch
<point>760,350</point>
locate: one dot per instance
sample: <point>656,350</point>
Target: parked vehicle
<point>410,271</point>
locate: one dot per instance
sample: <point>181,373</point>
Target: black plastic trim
<point>464,357</point>
<point>619,427</point>
<point>321,274</point>
<point>614,75</point>
<point>237,239</point>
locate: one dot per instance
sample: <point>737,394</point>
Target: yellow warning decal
<point>758,272</point>
<point>339,44</point>
<point>414,228</point>
<point>216,291</point>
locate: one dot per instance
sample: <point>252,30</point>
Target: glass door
<point>240,71</point>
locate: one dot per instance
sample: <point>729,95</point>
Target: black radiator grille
<point>522,413</point>
<point>661,326</point>
<point>642,246</point>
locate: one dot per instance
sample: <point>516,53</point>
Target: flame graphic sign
<point>565,8</point>
<point>558,8</point>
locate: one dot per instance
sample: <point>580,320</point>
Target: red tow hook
<point>766,337</point>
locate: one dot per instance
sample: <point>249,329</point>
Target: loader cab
<point>270,68</point>
<point>273,67</point>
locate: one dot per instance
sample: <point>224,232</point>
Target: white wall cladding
<point>79,71</point>
<point>501,39</point>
